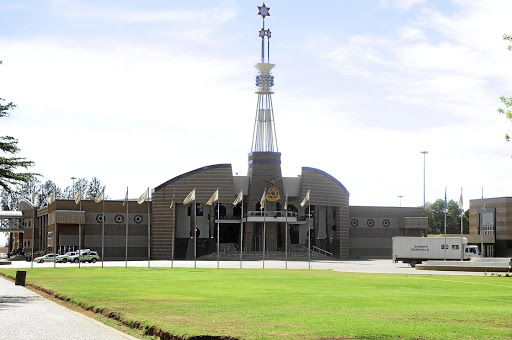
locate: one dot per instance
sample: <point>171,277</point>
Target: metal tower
<point>264,138</point>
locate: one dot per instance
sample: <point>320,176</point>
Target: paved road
<point>357,266</point>
<point>27,315</point>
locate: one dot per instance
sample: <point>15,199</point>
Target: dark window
<point>199,210</point>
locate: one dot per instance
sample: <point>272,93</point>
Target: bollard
<point>20,278</point>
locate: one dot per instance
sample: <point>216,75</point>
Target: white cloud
<point>408,4</point>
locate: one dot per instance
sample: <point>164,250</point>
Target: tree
<point>9,162</point>
<point>90,190</point>
<point>507,100</point>
<point>435,213</point>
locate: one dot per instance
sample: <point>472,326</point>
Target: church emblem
<point>273,195</point>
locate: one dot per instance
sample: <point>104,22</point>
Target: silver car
<point>46,258</point>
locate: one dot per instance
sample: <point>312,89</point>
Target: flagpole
<point>126,233</point>
<point>445,212</point>
<point>309,230</point>
<point>149,233</point>
<point>79,227</point>
<point>195,231</point>
<point>264,227</point>
<point>103,228</point>
<point>34,213</point>
<point>286,234</point>
<point>218,230</point>
<point>173,226</point>
<point>242,230</point>
<point>461,226</point>
<point>481,226</point>
<point>55,232</point>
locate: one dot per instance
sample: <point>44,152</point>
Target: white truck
<point>414,250</point>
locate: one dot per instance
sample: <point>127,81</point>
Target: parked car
<point>85,256</point>
<point>3,256</point>
<point>46,258</point>
<point>64,258</point>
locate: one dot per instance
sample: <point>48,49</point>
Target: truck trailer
<point>415,250</point>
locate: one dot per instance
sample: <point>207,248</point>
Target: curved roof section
<point>25,204</point>
<point>305,168</point>
<point>196,171</point>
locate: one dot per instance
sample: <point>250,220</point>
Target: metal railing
<point>271,214</point>
<point>321,251</point>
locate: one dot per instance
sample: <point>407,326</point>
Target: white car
<point>64,258</point>
<point>46,258</point>
<point>3,256</point>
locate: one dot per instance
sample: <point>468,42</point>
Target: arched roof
<point>305,168</point>
<point>196,171</point>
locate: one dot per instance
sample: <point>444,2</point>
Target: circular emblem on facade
<point>273,195</point>
<point>119,218</point>
<point>100,218</point>
<point>138,219</point>
<point>386,223</point>
<point>354,222</point>
<point>370,223</point>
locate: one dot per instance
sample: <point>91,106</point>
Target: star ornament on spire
<point>263,11</point>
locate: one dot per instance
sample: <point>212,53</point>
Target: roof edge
<point>306,168</point>
<point>195,171</point>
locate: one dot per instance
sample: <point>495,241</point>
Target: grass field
<point>292,304</point>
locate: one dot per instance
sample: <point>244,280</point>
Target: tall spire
<point>264,135</point>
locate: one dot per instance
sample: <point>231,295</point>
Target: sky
<point>138,92</point>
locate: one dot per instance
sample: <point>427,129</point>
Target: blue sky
<point>136,93</point>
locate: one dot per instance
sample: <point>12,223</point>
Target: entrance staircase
<point>296,252</point>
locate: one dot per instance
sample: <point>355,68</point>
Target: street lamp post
<point>400,196</point>
<point>424,154</point>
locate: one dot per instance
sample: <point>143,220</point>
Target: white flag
<point>483,202</point>
<point>263,200</point>
<point>461,201</point>
<point>172,204</point>
<point>214,198</point>
<point>50,199</point>
<point>78,196</point>
<point>239,198</point>
<point>144,197</point>
<point>30,197</point>
<point>99,198</point>
<point>126,197</point>
<point>305,200</point>
<point>190,197</point>
<point>286,203</point>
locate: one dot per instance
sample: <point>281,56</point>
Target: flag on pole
<point>239,198</point>
<point>305,200</point>
<point>50,199</point>
<point>144,197</point>
<point>78,196</point>
<point>461,200</point>
<point>286,203</point>
<point>214,198</point>
<point>100,196</point>
<point>445,201</point>
<point>172,204</point>
<point>30,197</point>
<point>190,197</point>
<point>126,197</point>
<point>483,202</point>
<point>263,200</point>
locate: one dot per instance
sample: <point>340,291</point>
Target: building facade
<point>273,214</point>
<point>490,225</point>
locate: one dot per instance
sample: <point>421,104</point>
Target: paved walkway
<point>27,315</point>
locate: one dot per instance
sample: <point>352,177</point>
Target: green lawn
<point>292,304</point>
